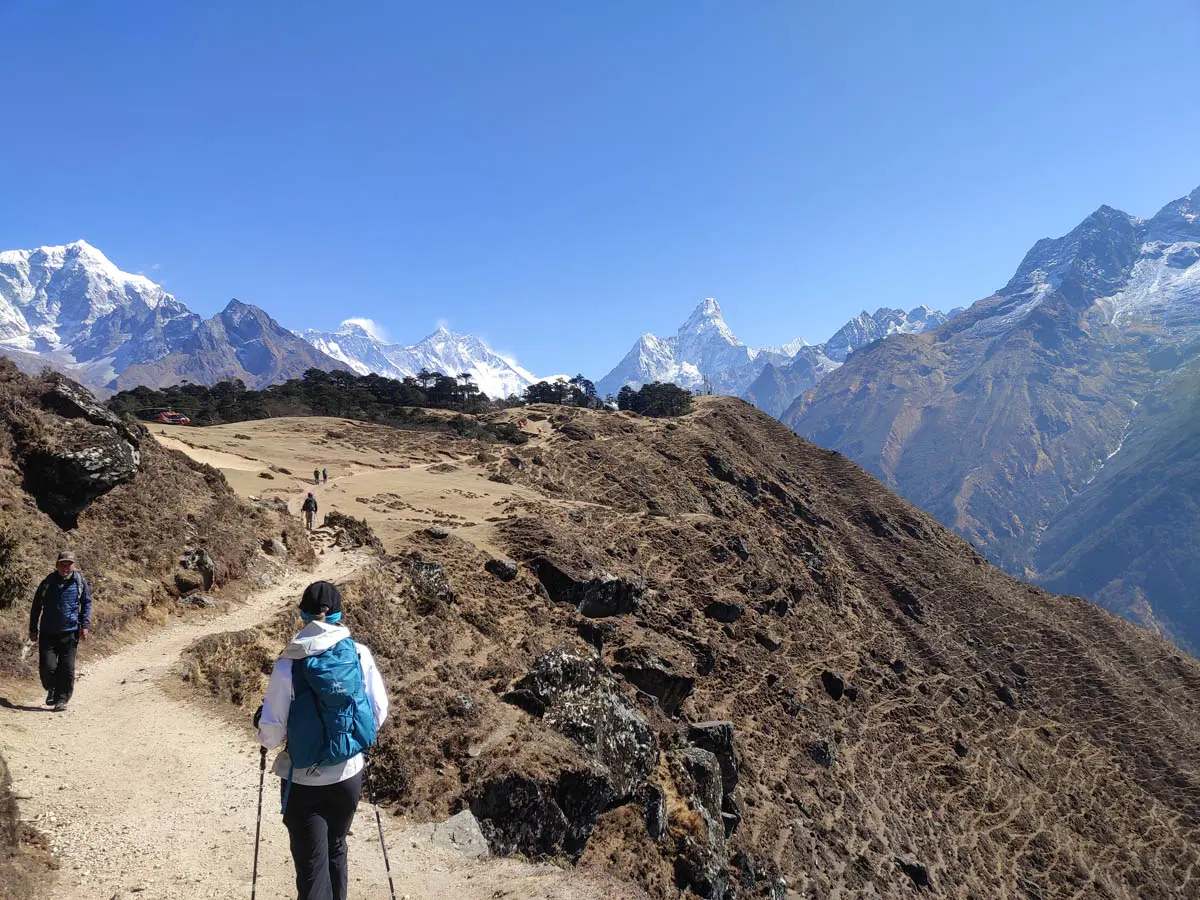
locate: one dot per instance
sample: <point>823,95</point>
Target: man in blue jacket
<point>59,620</point>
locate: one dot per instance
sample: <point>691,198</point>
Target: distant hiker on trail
<point>310,510</point>
<point>327,699</point>
<point>316,476</point>
<point>59,620</point>
<point>324,476</point>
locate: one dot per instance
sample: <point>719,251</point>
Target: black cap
<point>321,594</point>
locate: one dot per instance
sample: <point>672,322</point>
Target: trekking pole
<point>378,821</point>
<point>262,774</point>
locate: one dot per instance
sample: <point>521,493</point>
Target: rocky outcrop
<point>76,455</point>
<point>572,692</point>
<point>539,809</point>
<point>668,681</point>
<point>594,595</point>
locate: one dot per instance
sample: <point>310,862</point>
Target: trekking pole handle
<point>262,759</point>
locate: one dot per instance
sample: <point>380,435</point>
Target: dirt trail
<point>147,795</point>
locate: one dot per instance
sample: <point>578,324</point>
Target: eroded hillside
<point>706,655</point>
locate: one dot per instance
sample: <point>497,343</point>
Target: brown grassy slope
<point>127,542</point>
<point>1016,743</point>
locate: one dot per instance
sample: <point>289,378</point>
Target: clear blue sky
<point>559,177</point>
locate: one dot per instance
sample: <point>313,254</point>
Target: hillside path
<point>146,794</point>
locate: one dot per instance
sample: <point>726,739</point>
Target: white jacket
<point>314,638</point>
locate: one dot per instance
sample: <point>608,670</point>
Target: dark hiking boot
<point>50,699</point>
<point>60,706</point>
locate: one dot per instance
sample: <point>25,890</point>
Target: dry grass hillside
<point>902,719</point>
<point>72,478</point>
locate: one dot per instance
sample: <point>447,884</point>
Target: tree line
<point>373,398</point>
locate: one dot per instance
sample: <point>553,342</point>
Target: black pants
<point>56,663</point>
<point>318,820</point>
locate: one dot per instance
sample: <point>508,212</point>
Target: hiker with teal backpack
<point>326,700</point>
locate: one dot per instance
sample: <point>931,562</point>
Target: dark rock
<point>573,693</point>
<point>1019,670</point>
<point>908,601</point>
<point>576,432</point>
<point>266,475</point>
<point>654,675</point>
<point>540,817</point>
<point>739,546</point>
<point>655,508</point>
<point>275,547</point>
<point>462,705</point>
<point>717,738</point>
<point>598,634</point>
<point>352,533</point>
<point>199,601</point>
<point>272,503</point>
<point>701,865</point>
<point>722,468</point>
<point>824,752</point>
<point>719,553</point>
<point>960,748</point>
<point>504,569</point>
<point>899,666</point>
<point>188,583</point>
<point>74,463</point>
<point>1005,693</point>
<point>437,532</point>
<point>198,560</point>
<point>793,704</point>
<point>834,683</point>
<point>723,611</point>
<point>705,771</point>
<point>914,870</point>
<point>731,813</point>
<point>760,878</point>
<point>654,805</point>
<point>72,401</point>
<point>430,583</point>
<point>595,596</point>
<point>768,640</point>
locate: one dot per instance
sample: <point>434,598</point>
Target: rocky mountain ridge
<point>1020,420</point>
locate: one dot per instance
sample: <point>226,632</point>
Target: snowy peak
<point>357,344</point>
<point>703,354</point>
<point>865,328</point>
<point>55,298</point>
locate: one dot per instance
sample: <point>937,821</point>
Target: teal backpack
<point>330,720</point>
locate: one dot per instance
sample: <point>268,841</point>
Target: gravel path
<point>147,795</point>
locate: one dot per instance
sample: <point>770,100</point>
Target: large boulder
<point>523,812</point>
<point>594,595</point>
<point>667,677</point>
<point>574,693</point>
<point>72,401</point>
<point>199,562</point>
<point>698,830</point>
<point>76,454</point>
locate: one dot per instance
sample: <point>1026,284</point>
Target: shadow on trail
<point>8,704</point>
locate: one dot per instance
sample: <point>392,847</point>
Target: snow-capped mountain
<point>703,349</point>
<point>866,328</point>
<point>71,308</point>
<point>778,386</point>
<point>355,344</point>
<point>1053,423</point>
